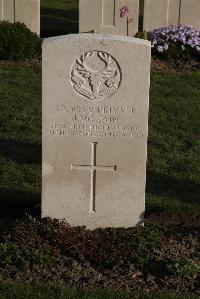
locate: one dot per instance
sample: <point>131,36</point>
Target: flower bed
<point>176,42</point>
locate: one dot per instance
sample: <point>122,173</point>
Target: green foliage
<point>17,42</point>
<point>45,250</point>
<point>142,35</point>
<point>122,247</point>
<point>22,256</point>
<point>57,290</point>
<point>102,248</point>
<point>185,268</point>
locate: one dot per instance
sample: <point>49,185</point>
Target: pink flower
<point>123,12</point>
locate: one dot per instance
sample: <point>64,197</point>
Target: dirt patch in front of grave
<point>157,65</point>
<point>174,66</point>
<point>153,258</point>
<point>27,62</point>
<point>172,218</point>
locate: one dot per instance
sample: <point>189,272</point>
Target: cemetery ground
<point>43,258</point>
<point>162,256</point>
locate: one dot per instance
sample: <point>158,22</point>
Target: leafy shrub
<point>121,248</point>
<point>17,42</point>
<point>148,258</point>
<point>176,42</point>
<point>142,35</point>
<point>185,268</point>
<point>25,256</point>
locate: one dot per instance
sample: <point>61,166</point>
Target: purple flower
<point>123,12</point>
<point>180,36</point>
<point>165,47</point>
<point>160,49</point>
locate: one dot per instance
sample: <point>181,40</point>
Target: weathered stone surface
<point>102,16</point>
<point>95,121</point>
<point>7,10</point>
<point>24,11</point>
<point>190,13</point>
<point>1,9</point>
<point>28,12</point>
<point>160,13</point>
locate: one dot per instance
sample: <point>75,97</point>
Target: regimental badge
<point>95,75</point>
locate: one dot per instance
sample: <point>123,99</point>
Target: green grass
<point>20,136</point>
<point>59,17</point>
<point>173,164</point>
<point>60,291</point>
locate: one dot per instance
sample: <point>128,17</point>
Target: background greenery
<point>56,291</point>
<point>18,42</point>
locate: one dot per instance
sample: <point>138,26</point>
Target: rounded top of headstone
<point>97,36</point>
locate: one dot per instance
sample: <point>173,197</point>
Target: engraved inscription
<point>93,168</point>
<point>95,75</point>
<point>97,122</point>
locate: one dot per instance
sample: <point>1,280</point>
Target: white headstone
<point>95,121</point>
<point>190,13</point>
<point>28,12</point>
<point>103,16</point>
<point>7,10</point>
<point>160,13</point>
<point>24,11</point>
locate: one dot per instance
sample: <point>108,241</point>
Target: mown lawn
<point>20,138</point>
<point>56,291</point>
<point>173,173</point>
<point>173,162</point>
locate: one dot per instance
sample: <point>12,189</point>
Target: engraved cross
<point>93,168</point>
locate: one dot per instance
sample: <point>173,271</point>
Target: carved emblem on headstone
<point>95,75</point>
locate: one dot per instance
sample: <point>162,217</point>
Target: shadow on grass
<point>16,203</point>
<point>162,185</point>
<point>58,21</point>
<point>21,152</point>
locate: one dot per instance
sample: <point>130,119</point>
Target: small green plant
<point>17,42</point>
<point>24,256</point>
<point>142,35</point>
<point>11,254</point>
<point>185,268</point>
